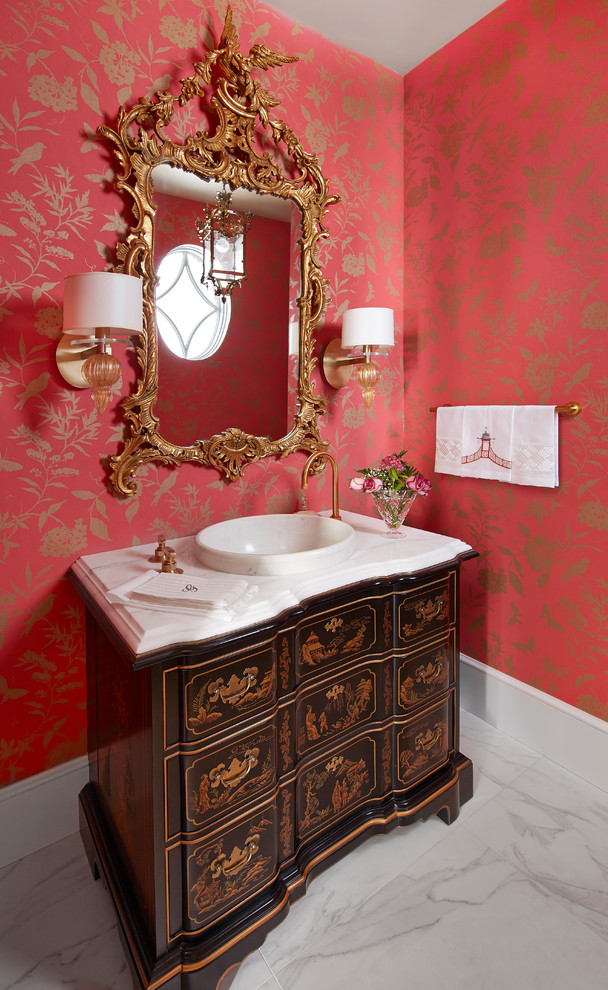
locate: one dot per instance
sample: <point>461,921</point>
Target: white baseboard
<point>564,734</point>
<point>40,810</point>
<point>43,809</point>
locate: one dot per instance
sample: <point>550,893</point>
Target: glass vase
<point>393,507</point>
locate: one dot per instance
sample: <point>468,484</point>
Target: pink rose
<point>419,484</point>
<point>365,484</point>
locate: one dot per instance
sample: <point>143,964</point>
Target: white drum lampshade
<point>369,326</point>
<point>102,299</point>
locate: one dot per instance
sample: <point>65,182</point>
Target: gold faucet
<point>335,512</point>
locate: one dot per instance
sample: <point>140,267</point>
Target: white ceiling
<point>399,34</point>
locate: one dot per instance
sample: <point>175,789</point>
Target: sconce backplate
<point>70,358</point>
<point>337,368</point>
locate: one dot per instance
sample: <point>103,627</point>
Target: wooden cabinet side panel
<point>121,762</point>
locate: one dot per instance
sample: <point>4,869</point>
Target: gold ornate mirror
<point>238,145</point>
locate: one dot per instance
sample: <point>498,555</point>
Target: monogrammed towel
<point>518,444</point>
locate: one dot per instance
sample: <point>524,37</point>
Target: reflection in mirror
<point>191,320</point>
<point>240,347</point>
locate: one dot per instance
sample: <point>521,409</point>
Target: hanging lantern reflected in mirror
<point>222,232</point>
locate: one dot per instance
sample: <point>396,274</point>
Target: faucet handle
<point>161,550</point>
<point>169,564</point>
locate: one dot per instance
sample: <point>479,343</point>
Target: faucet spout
<point>318,455</point>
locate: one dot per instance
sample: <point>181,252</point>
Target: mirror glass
<point>253,334</point>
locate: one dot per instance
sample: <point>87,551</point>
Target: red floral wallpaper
<point>68,66</point>
<point>506,301</point>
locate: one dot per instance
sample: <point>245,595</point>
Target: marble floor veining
<point>513,894</point>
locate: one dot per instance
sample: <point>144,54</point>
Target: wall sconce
<point>222,234</point>
<point>94,304</point>
<point>365,332</point>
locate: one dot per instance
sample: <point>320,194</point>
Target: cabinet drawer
<point>336,635</point>
<point>423,743</point>
<point>427,610</point>
<point>226,869</point>
<point>217,695</point>
<point>334,707</point>
<point>335,785</point>
<point>219,779</point>
<point>426,674</point>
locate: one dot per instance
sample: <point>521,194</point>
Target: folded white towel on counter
<point>185,592</point>
<point>518,444</point>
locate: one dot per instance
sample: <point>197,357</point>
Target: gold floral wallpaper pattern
<point>506,301</point>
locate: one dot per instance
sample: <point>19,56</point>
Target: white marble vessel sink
<point>275,545</point>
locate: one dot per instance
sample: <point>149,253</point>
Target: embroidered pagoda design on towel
<point>485,450</point>
<point>516,444</point>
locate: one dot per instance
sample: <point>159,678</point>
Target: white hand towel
<point>535,448</point>
<point>185,593</point>
<point>518,444</point>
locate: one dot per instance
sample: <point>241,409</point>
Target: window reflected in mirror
<point>192,319</point>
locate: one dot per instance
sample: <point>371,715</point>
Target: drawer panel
<point>218,695</point>
<point>427,610</point>
<point>335,707</point>
<point>426,674</point>
<point>226,869</point>
<point>222,778</point>
<point>335,785</point>
<point>337,635</point>
<point>423,743</point>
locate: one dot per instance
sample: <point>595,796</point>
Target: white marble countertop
<point>109,577</point>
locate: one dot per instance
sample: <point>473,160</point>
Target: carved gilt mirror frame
<point>239,111</point>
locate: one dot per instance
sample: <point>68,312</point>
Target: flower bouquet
<point>393,486</point>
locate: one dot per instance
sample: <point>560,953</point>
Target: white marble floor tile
<point>461,917</point>
<point>495,754</point>
<point>57,926</point>
<point>553,827</point>
<point>514,894</point>
<point>254,974</point>
<point>337,893</point>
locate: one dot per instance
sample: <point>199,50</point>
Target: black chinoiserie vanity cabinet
<point>225,773</point>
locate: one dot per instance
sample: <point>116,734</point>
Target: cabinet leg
<point>89,846</point>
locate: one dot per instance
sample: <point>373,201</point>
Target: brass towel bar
<point>569,409</point>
